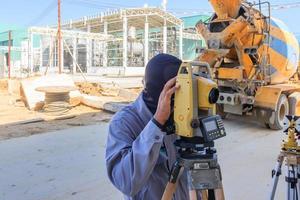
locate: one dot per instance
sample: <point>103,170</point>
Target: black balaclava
<point>160,69</point>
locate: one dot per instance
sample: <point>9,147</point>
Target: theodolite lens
<point>213,95</point>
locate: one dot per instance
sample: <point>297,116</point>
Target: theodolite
<point>290,153</point>
<point>197,127</point>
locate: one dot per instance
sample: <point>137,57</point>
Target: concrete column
<point>41,52</point>
<point>31,52</point>
<point>125,41</point>
<point>28,53</point>
<point>55,53</point>
<point>181,41</point>
<point>89,50</point>
<point>51,53</point>
<point>146,46</point>
<point>62,54</point>
<point>165,36</point>
<point>105,59</point>
<point>74,55</point>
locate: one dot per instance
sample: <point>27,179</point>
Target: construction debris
<point>35,99</point>
<point>104,103</point>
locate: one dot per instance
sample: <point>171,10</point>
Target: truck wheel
<point>277,117</point>
<point>220,111</point>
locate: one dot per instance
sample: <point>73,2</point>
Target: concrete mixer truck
<point>254,60</point>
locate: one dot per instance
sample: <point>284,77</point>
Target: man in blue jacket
<point>140,153</point>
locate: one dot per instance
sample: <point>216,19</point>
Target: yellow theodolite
<point>290,144</point>
<point>197,127</point>
<point>197,95</point>
<point>290,153</point>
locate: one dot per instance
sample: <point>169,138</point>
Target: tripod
<point>202,166</point>
<point>290,153</point>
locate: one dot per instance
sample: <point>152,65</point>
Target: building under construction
<point>111,43</point>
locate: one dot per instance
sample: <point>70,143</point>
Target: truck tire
<point>276,117</point>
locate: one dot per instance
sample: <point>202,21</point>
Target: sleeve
<point>130,161</point>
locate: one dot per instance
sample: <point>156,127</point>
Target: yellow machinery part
<point>230,73</point>
<point>226,8</point>
<point>229,35</point>
<point>294,103</point>
<point>267,97</point>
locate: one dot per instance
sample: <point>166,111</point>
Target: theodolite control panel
<point>212,128</point>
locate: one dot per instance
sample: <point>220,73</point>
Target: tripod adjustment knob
<point>195,123</point>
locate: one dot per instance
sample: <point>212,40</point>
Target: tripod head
<point>292,129</point>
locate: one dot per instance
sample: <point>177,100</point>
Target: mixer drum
<point>283,51</point>
<point>226,8</point>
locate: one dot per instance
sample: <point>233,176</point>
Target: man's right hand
<point>164,104</point>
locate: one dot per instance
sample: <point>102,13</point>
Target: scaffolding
<point>138,34</point>
<point>74,49</point>
<point>119,42</point>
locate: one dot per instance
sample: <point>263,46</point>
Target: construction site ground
<point>65,159</point>
<point>69,164</point>
<point>13,114</point>
<point>16,120</point>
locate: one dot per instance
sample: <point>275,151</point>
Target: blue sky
<point>43,12</point>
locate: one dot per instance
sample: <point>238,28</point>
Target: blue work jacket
<point>139,156</point>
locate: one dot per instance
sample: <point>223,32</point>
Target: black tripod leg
<point>211,195</point>
<point>171,186</point>
<point>175,172</point>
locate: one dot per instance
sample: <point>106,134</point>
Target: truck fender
<point>294,102</point>
<point>267,97</point>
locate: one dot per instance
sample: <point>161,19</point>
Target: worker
<point>140,153</point>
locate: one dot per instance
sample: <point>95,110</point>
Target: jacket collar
<point>142,109</point>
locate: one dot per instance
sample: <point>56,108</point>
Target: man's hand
<point>164,104</point>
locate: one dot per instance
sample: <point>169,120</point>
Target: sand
<point>13,112</point>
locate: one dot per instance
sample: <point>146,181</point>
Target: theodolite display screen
<point>211,125</point>
<point>212,128</point>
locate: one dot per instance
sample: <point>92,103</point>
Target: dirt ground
<point>13,112</point>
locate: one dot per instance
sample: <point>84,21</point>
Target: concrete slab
<point>69,164</point>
